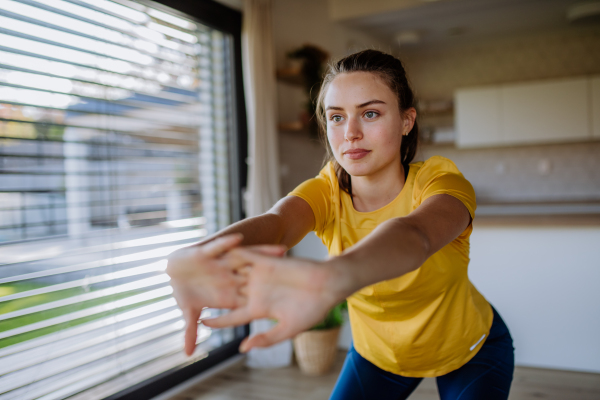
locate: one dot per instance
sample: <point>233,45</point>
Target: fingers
<point>242,257</point>
<point>241,300</point>
<point>266,339</point>
<point>239,316</point>
<point>243,348</point>
<point>222,244</point>
<point>191,330</point>
<point>237,278</point>
<point>239,258</point>
<point>244,271</point>
<point>275,250</point>
<point>232,260</point>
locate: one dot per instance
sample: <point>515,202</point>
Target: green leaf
<point>333,319</point>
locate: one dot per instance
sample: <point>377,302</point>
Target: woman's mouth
<point>356,154</point>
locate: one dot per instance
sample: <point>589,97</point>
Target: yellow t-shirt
<point>430,321</point>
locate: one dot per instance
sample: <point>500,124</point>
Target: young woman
<point>398,233</point>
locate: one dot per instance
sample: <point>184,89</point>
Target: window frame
<point>228,21</point>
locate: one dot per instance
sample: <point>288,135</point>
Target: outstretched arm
<point>201,277</point>
<point>286,223</point>
<point>298,293</point>
<point>400,245</point>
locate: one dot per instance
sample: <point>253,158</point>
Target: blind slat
<point>145,255</point>
<point>155,267</point>
<point>15,380</point>
<point>107,118</point>
<point>84,28</point>
<point>57,349</point>
<point>100,371</point>
<point>148,146</point>
<point>161,307</point>
<point>114,23</point>
<point>187,201</point>
<point>139,284</point>
<point>113,305</point>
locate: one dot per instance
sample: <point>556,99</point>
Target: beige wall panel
<point>477,114</point>
<point>544,112</point>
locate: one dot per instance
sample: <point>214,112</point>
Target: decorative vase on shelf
<point>316,348</point>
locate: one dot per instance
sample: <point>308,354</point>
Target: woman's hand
<point>199,279</point>
<point>297,293</point>
<point>201,276</point>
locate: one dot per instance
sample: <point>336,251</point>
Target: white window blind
<point>114,151</point>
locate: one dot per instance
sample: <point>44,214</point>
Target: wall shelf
<point>292,76</point>
<point>292,126</point>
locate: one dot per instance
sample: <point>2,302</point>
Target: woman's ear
<point>410,115</point>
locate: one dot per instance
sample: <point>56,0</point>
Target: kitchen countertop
<point>538,214</point>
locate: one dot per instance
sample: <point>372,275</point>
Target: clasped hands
<point>253,282</point>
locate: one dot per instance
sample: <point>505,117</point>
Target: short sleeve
<point>317,192</point>
<point>438,175</point>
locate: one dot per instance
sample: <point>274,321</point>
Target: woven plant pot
<point>315,350</point>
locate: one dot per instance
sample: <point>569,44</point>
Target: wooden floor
<point>240,382</point>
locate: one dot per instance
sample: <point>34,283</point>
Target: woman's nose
<point>353,131</point>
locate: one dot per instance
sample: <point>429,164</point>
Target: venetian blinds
<point>114,152</point>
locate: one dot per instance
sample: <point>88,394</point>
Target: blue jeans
<point>487,376</point>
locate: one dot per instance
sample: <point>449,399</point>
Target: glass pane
<point>114,152</point>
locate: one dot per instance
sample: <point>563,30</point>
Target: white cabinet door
<point>477,117</point>
<point>595,84</point>
<point>541,112</point>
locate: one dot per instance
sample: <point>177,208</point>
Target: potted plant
<point>316,348</point>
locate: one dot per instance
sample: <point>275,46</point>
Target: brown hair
<point>391,71</point>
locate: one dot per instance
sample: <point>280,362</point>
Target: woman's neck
<point>371,192</point>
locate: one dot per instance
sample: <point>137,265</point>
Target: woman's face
<point>364,123</point>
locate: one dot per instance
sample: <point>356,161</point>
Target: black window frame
<point>227,20</point>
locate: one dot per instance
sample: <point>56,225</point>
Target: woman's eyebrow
<point>368,103</point>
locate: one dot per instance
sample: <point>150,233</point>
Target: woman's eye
<point>336,118</point>
<point>370,114</point>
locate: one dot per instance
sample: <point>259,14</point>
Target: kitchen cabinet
<point>477,117</point>
<point>525,113</point>
<point>595,88</point>
<point>540,112</point>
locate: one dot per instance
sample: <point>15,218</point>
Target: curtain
<point>263,169</point>
<point>259,84</point>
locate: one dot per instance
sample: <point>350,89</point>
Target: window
<point>118,144</point>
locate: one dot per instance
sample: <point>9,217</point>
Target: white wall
<point>310,247</point>
<point>545,282</point>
